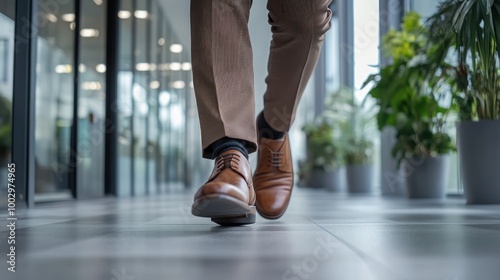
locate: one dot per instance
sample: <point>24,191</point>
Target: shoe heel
<point>247,219</point>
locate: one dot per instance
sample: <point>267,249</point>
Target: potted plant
<point>356,125</point>
<point>359,164</point>
<point>473,28</point>
<point>5,136</point>
<point>322,166</point>
<point>414,98</point>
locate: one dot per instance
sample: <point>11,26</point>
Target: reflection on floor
<point>322,236</point>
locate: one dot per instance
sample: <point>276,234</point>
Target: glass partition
<point>91,99</point>
<point>154,77</point>
<point>54,101</point>
<point>7,31</point>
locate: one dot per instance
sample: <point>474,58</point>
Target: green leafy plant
<point>473,28</point>
<point>5,125</point>
<point>354,124</point>
<point>414,92</point>
<point>322,151</point>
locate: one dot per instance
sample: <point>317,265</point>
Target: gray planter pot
<point>360,178</point>
<point>426,177</point>
<point>391,181</point>
<point>324,179</point>
<point>479,156</point>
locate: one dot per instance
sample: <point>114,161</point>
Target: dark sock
<point>266,131</point>
<point>225,144</point>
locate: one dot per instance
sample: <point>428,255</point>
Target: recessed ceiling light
<point>89,32</point>
<point>98,2</point>
<point>141,14</point>
<point>68,17</point>
<point>51,17</point>
<point>164,67</point>
<point>100,68</point>
<point>124,14</point>
<point>161,41</point>
<point>175,66</point>
<point>178,84</point>
<point>91,85</point>
<point>143,66</point>
<point>154,85</point>
<point>186,66</point>
<point>176,48</point>
<point>64,69</point>
<point>72,26</point>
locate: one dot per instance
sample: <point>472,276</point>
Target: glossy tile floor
<point>322,236</point>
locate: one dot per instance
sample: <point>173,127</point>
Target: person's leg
<point>223,83</point>
<point>298,28</point>
<point>223,72</point>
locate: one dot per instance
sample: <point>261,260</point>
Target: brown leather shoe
<point>273,179</point>
<point>228,195</point>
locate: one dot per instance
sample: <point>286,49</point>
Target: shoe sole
<point>224,210</point>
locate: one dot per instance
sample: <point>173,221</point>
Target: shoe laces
<point>275,159</point>
<point>226,161</point>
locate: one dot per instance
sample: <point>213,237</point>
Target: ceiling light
<point>143,66</point>
<point>178,84</point>
<point>175,66</point>
<point>91,85</point>
<point>89,32</point>
<point>51,17</point>
<point>72,26</point>
<point>186,66</point>
<point>100,68</point>
<point>176,48</point>
<point>98,2</point>
<point>164,67</point>
<point>161,41</point>
<point>64,69</point>
<point>124,14</point>
<point>68,17</point>
<point>154,85</point>
<point>82,68</point>
<point>141,14</point>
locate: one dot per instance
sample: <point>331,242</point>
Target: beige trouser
<point>223,71</point>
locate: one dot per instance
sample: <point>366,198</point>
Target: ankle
<point>266,131</point>
<point>225,144</point>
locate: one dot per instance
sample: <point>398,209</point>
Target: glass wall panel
<point>92,99</point>
<point>7,31</point>
<point>366,61</point>
<point>154,77</point>
<point>124,104</point>
<point>54,99</point>
<point>140,94</point>
<point>155,46</point>
<point>164,101</point>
